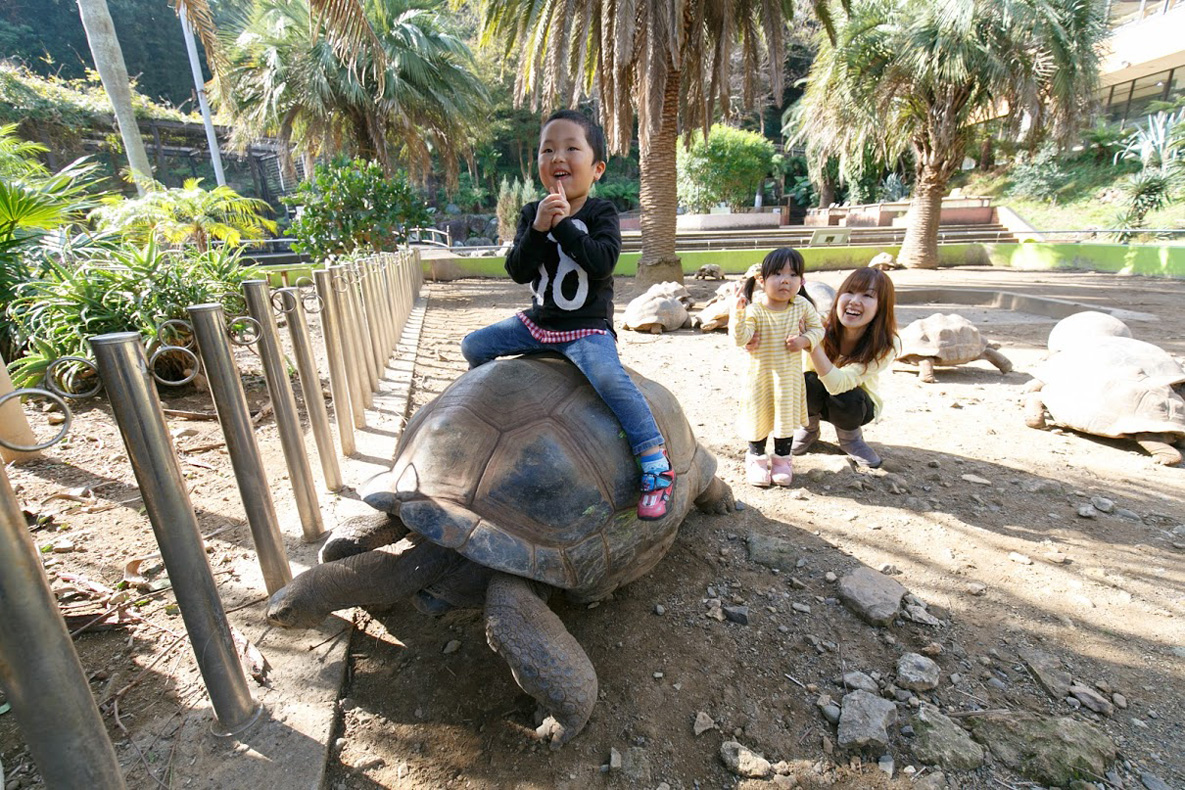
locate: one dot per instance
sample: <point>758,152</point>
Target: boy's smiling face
<point>565,157</point>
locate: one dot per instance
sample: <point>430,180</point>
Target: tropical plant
<point>1144,192</point>
<point>908,75</point>
<point>1104,141</point>
<point>123,289</point>
<point>189,215</point>
<point>1152,142</point>
<point>286,78</point>
<point>352,204</point>
<point>893,188</point>
<point>623,193</point>
<point>1039,175</point>
<point>658,61</point>
<point>727,166</point>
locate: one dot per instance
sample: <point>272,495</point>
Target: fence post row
<point>134,402</point>
<point>339,383</point>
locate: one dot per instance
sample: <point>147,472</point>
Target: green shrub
<point>1145,192</point>
<point>726,168</point>
<point>352,204</point>
<point>1038,176</point>
<point>623,194</point>
<point>117,289</point>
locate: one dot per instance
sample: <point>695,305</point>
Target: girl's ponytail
<point>747,288</point>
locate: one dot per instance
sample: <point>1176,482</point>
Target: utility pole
<point>200,85</point>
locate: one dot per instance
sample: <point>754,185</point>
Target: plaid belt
<point>548,336</point>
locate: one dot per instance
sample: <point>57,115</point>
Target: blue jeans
<point>595,356</point>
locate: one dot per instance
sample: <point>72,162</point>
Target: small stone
<point>932,649</point>
<point>453,646</point>
<point>875,598</point>
<point>1102,504</point>
<point>1127,515</point>
<point>1073,702</point>
<point>1119,701</point>
<point>658,676</point>
<point>737,614</point>
<point>919,615</point>
<point>864,720</point>
<point>997,684</point>
<point>703,723</point>
<point>1057,558</point>
<point>917,673</point>
<point>1023,559</point>
<point>1153,782</point>
<point>63,547</point>
<point>859,680</point>
<point>660,610</point>
<point>1087,511</point>
<point>801,607</point>
<point>831,713</point>
<point>614,760</point>
<point>977,480</point>
<point>1092,699</point>
<point>885,763</point>
<point>744,762</point>
<point>829,576</point>
<point>955,678</point>
<point>975,588</point>
<point>1143,725</point>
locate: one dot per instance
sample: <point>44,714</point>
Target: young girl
<point>774,328</point>
<point>844,370</point>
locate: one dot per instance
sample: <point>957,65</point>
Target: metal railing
<point>433,236</point>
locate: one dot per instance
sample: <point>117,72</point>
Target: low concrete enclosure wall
<point>746,221</point>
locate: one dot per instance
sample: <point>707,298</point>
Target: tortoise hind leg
<point>996,358</point>
<point>1035,409</point>
<point>547,662</point>
<point>926,370</point>
<point>1157,445</point>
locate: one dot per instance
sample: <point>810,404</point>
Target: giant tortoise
<point>1113,386</point>
<point>516,481</point>
<point>946,339</point>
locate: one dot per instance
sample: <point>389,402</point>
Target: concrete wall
<point>746,221</point>
<point>1153,260</point>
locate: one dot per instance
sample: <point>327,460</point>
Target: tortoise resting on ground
<point>516,481</point>
<point>663,307</point>
<point>1113,386</point>
<point>946,339</point>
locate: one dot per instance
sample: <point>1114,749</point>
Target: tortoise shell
<point>947,337</point>
<point>1113,386</point>
<point>664,306</point>
<point>1087,324</point>
<point>521,467</point>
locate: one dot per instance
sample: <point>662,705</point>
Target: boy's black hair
<point>593,134</point>
<point>774,262</point>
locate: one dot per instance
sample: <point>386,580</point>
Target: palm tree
<point>108,57</point>
<point>284,77</point>
<point>920,75</point>
<point>659,60</point>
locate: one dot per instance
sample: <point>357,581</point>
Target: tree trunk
<point>100,35</point>
<point>658,195</point>
<point>919,250</point>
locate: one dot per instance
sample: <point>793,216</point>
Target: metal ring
<point>61,404</point>
<point>51,383</point>
<point>287,301</point>
<point>244,338</point>
<point>175,322</point>
<point>317,300</point>
<point>307,284</point>
<point>339,283</point>
<point>169,349</point>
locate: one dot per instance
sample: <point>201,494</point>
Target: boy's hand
<point>551,210</point>
<point>797,342</point>
<point>753,343</point>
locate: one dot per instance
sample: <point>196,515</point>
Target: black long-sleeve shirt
<point>570,269</point>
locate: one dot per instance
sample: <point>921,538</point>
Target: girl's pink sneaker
<point>781,469</point>
<point>757,470</point>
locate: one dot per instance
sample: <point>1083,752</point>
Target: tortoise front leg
<point>362,533</point>
<point>1035,408</point>
<point>547,662</point>
<point>1159,447</point>
<point>926,370</point>
<point>997,359</point>
<point>373,578</point>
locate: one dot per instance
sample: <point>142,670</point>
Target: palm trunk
<point>658,195</point>
<point>105,49</point>
<point>919,250</point>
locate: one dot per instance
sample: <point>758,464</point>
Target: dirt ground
<point>967,496</point>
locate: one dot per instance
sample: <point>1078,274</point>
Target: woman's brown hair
<point>877,339</point>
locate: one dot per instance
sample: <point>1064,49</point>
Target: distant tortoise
<point>1088,324</point>
<point>1113,386</point>
<point>514,482</point>
<point>662,308</point>
<point>709,271</point>
<point>714,314</point>
<point>946,339</point>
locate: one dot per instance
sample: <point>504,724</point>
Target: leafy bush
<point>726,168</point>
<point>117,289</point>
<point>190,215</point>
<point>468,196</point>
<point>893,189</point>
<point>1038,176</point>
<point>623,194</point>
<point>351,204</point>
<point>1152,142</point>
<point>1105,142</point>
<point>1145,192</point>
<point>511,199</point>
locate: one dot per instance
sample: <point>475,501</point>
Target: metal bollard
<point>339,381</point>
<point>360,321</point>
<point>344,288</point>
<point>373,320</point>
<point>40,671</point>
<point>310,384</point>
<point>226,385</point>
<point>284,403</point>
<point>382,316</point>
<point>124,369</point>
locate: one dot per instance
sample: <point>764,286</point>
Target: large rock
<point>874,597</point>
<point>772,551</point>
<point>917,673</point>
<point>864,720</point>
<point>939,741</point>
<point>1048,672</point>
<point>1048,750</point>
